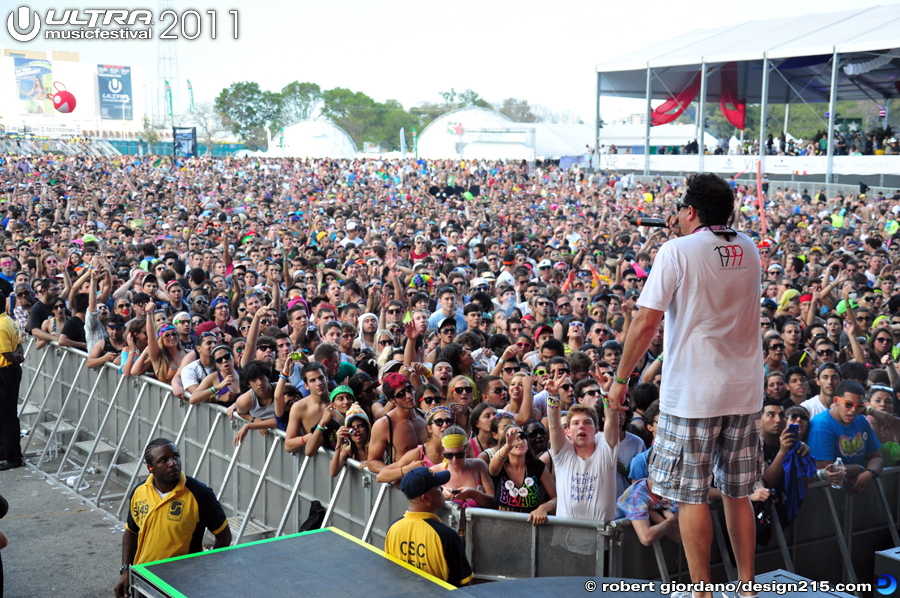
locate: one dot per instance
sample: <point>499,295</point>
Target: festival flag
<point>191,92</point>
<point>403,140</point>
<point>169,98</point>
<point>415,142</point>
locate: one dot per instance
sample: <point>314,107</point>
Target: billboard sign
<point>116,101</point>
<point>184,141</point>
<point>34,81</point>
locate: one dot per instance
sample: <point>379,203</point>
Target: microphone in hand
<point>652,222</point>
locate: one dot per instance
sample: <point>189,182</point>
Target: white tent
<point>448,135</point>
<point>497,151</point>
<point>669,135</point>
<point>846,55</point>
<point>476,133</point>
<point>799,49</point>
<point>313,139</point>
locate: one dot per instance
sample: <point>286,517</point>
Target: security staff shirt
<point>421,540</point>
<point>9,338</point>
<point>173,525</point>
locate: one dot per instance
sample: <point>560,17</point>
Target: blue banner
<point>116,101</point>
<point>34,80</point>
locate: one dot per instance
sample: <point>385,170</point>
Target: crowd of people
<point>466,317</point>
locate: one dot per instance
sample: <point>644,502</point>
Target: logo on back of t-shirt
<point>731,256</point>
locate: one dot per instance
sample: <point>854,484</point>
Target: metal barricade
<point>560,547</point>
<point>265,489</point>
<point>268,491</point>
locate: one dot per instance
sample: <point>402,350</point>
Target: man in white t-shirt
<point>707,284</point>
<point>351,238</point>
<point>586,460</point>
<point>828,376</point>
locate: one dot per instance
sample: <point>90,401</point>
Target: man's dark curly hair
<point>711,196</point>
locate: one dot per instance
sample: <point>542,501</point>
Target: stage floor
<point>326,563</point>
<point>329,563</point>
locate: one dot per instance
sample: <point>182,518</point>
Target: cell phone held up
<point>794,429</point>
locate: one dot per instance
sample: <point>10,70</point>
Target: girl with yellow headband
<point>431,453</point>
<point>470,483</point>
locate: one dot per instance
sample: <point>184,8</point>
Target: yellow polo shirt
<point>9,338</point>
<point>173,525</point>
<point>423,541</point>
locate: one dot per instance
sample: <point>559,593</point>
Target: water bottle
<point>839,467</point>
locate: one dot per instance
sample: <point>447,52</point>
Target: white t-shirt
<point>194,373</point>
<point>586,488</point>
<point>709,289</point>
<point>814,406</point>
<point>94,330</point>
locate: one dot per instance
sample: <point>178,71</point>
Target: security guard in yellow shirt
<point>11,355</point>
<point>419,538</point>
<point>168,514</point>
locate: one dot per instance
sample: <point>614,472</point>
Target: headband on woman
<point>435,410</point>
<point>453,441</point>
<point>217,347</point>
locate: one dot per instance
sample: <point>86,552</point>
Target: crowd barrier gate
<point>267,491</point>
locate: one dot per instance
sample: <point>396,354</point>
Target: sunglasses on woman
<point>223,359</point>
<point>462,390</point>
<point>433,400</point>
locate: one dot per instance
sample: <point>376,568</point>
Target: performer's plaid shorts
<point>686,451</point>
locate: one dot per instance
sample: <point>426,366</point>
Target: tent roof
<point>314,139</point>
<point>800,48</point>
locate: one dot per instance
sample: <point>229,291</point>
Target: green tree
<point>516,110</point>
<point>426,112</point>
<point>245,109</point>
<point>386,125</point>
<point>149,134</point>
<point>464,99</point>
<point>299,102</point>
<point>352,111</point>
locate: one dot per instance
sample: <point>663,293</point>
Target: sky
<point>411,51</point>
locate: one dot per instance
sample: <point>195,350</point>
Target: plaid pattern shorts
<point>686,451</point>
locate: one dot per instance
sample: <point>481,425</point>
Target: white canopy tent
<point>313,139</point>
<point>448,135</point>
<point>844,55</point>
<point>669,135</point>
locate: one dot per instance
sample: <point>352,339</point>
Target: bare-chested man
<point>400,430</point>
<point>307,412</point>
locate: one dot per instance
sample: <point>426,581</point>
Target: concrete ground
<point>58,544</point>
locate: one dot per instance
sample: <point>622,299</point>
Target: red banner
<point>733,108</point>
<point>662,114</point>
